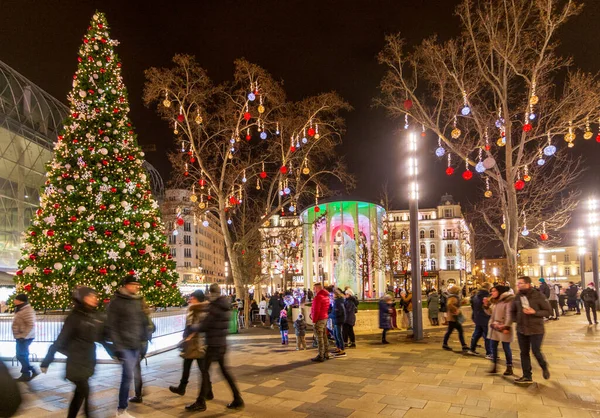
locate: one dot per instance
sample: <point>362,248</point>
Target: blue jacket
<point>338,311</point>
<point>385,320</point>
<point>351,304</point>
<point>479,316</point>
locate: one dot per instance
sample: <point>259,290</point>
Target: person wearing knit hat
<point>284,327</point>
<point>589,296</point>
<point>23,328</point>
<point>544,288</point>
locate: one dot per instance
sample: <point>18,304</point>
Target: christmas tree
<point>97,221</point>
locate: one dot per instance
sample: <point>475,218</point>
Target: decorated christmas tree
<point>98,221</point>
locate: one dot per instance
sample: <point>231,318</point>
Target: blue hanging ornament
<point>263,135</point>
<point>205,223</point>
<point>292,208</point>
<point>232,141</point>
<point>304,140</point>
<point>541,162</point>
<point>532,116</point>
<point>286,190</point>
<point>229,221</point>
<point>549,150</point>
<point>466,110</point>
<point>479,167</point>
<point>440,151</point>
<point>251,97</point>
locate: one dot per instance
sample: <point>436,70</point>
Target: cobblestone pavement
<point>403,379</point>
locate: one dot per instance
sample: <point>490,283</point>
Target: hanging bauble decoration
<point>229,221</point>
<point>408,104</point>
<point>317,209</point>
<point>534,100</point>
<point>503,225</point>
<point>198,118</point>
<point>304,140</point>
<point>166,102</point>
<point>526,175</point>
<point>292,208</point>
<point>488,193</point>
<point>263,135</point>
<point>455,133</point>
<point>311,131</point>
<point>544,236</point>
<point>306,171</point>
<point>440,151</point>
<point>180,118</point>
<point>261,109</point>
<point>525,231</point>
<point>251,96</point>
<point>263,175</point>
<point>193,198</point>
<point>532,116</point>
<point>489,163</point>
<point>180,221</point>
<point>549,150</point>
<point>205,223</point>
<point>501,141</point>
<point>283,169</point>
<point>467,174</point>
<point>479,167</point>
<point>541,161</point>
<point>286,190</point>
<point>450,171</point>
<point>570,135</point>
<point>465,111</point>
<point>519,184</point>
<point>588,132</point>
<point>527,127</point>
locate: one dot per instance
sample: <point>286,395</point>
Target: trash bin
<point>233,321</point>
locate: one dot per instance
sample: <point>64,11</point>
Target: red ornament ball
<point>180,221</point>
<point>527,127</point>
<point>283,169</point>
<point>248,137</point>
<point>142,251</point>
<point>47,270</point>
<point>163,269</point>
<point>519,184</point>
<point>126,222</point>
<point>132,272</point>
<point>488,147</point>
<point>408,104</point>
<point>317,209</point>
<point>450,171</point>
<point>544,236</point>
<point>247,115</point>
<point>263,175</point>
<point>67,247</point>
<point>50,233</point>
<point>598,138</point>
<point>158,283</point>
<point>73,218</point>
<point>180,118</point>
<point>311,132</point>
<point>32,256</point>
<point>27,287</point>
<point>292,149</point>
<point>102,271</point>
<point>91,228</point>
<point>32,233</point>
<point>467,175</point>
<point>108,233</point>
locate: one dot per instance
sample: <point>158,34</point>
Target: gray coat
<point>433,305</point>
<point>23,325</point>
<point>500,317</point>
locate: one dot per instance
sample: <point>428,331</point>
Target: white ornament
<point>81,209</point>
<point>90,268</point>
<point>99,63</point>
<point>108,124</point>
<point>80,240</point>
<point>82,93</point>
<point>39,285</point>
<point>98,241</point>
<point>146,224</point>
<point>103,151</point>
<point>113,267</point>
<point>113,255</point>
<point>128,254</point>
<point>122,244</point>
<point>105,179</point>
<point>88,188</point>
<point>145,235</point>
<point>58,266</point>
<point>95,76</point>
<point>113,283</point>
<point>70,188</point>
<point>489,162</point>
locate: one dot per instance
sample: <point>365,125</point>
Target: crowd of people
<point>124,332</point>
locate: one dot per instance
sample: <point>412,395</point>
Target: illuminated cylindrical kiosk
<point>343,246</point>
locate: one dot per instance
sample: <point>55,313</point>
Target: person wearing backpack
<point>589,296</point>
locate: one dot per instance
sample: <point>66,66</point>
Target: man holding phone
<point>528,310</point>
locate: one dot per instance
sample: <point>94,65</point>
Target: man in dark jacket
<point>276,305</point>
<point>127,329</point>
<point>528,311</point>
<point>481,320</point>
<point>572,297</point>
<point>351,306</point>
<point>216,327</point>
<point>338,317</point>
<point>589,296</point>
<point>544,288</point>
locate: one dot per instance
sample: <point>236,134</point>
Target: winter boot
<point>179,390</point>
<point>509,371</point>
<point>237,403</point>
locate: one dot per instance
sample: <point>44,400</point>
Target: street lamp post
<point>581,252</point>
<point>593,227</point>
<point>413,198</point>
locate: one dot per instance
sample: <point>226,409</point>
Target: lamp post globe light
<point>415,262</point>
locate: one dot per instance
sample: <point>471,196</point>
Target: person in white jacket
<point>262,310</point>
<point>23,328</point>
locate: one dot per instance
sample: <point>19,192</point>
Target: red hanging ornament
<point>598,138</point>
<point>450,171</point>
<point>248,137</point>
<point>32,233</point>
<point>158,283</point>
<point>91,228</point>
<point>142,251</point>
<point>527,127</point>
<point>180,221</point>
<point>27,287</point>
<point>108,233</point>
<point>32,257</point>
<point>317,209</point>
<point>519,184</point>
<point>132,272</point>
<point>467,174</point>
<point>47,270</point>
<point>263,175</point>
<point>126,222</point>
<point>408,104</point>
<point>102,270</point>
<point>311,132</point>
<point>544,236</point>
<point>247,115</point>
<point>180,118</point>
<point>19,272</point>
<point>67,247</point>
<point>283,169</point>
<point>488,147</point>
<point>163,269</point>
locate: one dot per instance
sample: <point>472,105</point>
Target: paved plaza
<point>403,379</point>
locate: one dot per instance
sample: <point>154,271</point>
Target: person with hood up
<point>589,296</point>
<point>528,310</point>
<point>544,289</point>
<point>77,340</point>
<point>216,327</point>
<point>127,329</point>
<point>351,307</point>
<point>338,318</point>
<point>318,313</point>
<point>553,299</point>
<point>433,307</point>
<point>481,320</point>
<point>284,327</point>
<point>275,305</point>
<point>193,347</point>
<point>300,328</point>
<point>385,320</point>
<point>23,328</point>
<point>500,325</point>
<point>572,298</point>
<point>455,319</point>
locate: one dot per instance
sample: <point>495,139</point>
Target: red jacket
<point>320,306</point>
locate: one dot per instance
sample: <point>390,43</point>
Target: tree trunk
<point>234,261</point>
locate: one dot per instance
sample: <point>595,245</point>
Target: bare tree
<point>500,99</point>
<point>281,249</point>
<point>244,142</point>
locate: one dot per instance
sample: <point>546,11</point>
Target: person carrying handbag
<point>455,319</point>
<point>193,348</point>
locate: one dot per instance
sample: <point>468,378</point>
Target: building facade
<point>195,239</point>
<point>490,269</point>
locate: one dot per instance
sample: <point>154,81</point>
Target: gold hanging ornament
<point>570,136</point>
<point>193,197</point>
<point>488,192</point>
<point>503,226</point>
<point>306,170</point>
<point>588,132</point>
<point>526,176</point>
<point>501,141</point>
<point>202,205</point>
<point>533,100</point>
<point>257,184</point>
<point>166,102</point>
<point>261,108</point>
<point>317,134</point>
<point>455,132</point>
<point>198,118</point>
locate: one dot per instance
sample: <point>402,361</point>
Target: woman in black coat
<point>77,341</point>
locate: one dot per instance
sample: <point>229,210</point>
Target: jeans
<point>321,336</point>
<point>590,306</point>
<point>554,308</point>
<point>129,359</point>
<point>531,343</point>
<point>284,337</point>
<point>348,333</point>
<point>137,372</point>
<point>505,347</point>
<point>23,354</point>
<point>455,325</point>
<point>339,339</point>
<point>481,331</point>
<point>216,354</point>
<point>80,396</point>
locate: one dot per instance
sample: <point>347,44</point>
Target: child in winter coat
<point>283,327</point>
<point>300,327</point>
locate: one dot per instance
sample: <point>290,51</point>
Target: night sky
<point>313,46</point>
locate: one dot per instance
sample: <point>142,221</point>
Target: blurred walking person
<point>262,311</point>
<point>433,307</point>
<point>216,327</point>
<point>499,307</point>
<point>385,319</point>
<point>338,317</point>
<point>194,349</point>
<point>127,329</point>
<point>590,297</point>
<point>553,299</point>
<point>23,328</point>
<point>137,371</point>
<point>351,307</point>
<point>77,340</point>
<point>318,314</point>
<point>481,319</point>
<point>455,319</point>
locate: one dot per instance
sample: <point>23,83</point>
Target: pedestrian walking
<point>499,307</point>
<point>590,297</point>
<point>194,349</point>
<point>528,310</point>
<point>351,307</point>
<point>433,307</point>
<point>338,318</point>
<point>284,327</point>
<point>544,288</point>
<point>444,306</point>
<point>137,371</point>
<point>262,311</point>
<point>253,311</point>
<point>562,299</point>
<point>318,314</point>
<point>554,299</point>
<point>481,320</point>
<point>10,395</point>
<point>407,305</point>
<point>77,340</point>
<point>275,305</point>
<point>455,319</point>
<point>216,327</point>
<point>23,328</point>
<point>300,330</point>
<point>127,329</point>
<point>572,298</point>
<point>385,323</point>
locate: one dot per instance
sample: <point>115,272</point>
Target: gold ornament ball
<point>261,109</point>
<point>198,119</point>
<point>194,198</point>
<point>588,135</point>
<point>501,142</point>
<point>258,187</point>
<point>527,177</point>
<point>175,131</point>
<point>503,226</point>
<point>202,205</point>
<point>570,137</point>
<point>534,100</point>
<point>571,145</point>
<point>317,136</point>
<point>166,103</point>
<point>306,170</point>
<point>455,133</point>
<point>488,193</point>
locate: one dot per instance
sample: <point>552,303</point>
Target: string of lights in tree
<point>98,220</point>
